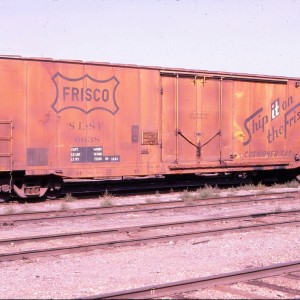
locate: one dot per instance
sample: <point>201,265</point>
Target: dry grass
<point>289,184</point>
<point>206,192</point>
<point>69,198</point>
<point>187,197</point>
<point>107,199</point>
<point>247,187</point>
<point>64,206</point>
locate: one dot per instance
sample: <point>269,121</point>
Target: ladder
<point>6,147</point>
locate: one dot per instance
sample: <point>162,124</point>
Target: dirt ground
<point>101,271</point>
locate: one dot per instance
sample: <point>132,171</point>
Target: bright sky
<point>249,36</point>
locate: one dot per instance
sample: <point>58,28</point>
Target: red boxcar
<point>72,119</point>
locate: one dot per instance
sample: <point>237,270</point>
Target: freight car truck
<point>71,119</point>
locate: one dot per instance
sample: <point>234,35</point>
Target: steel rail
<point>137,241</point>
<point>139,228</point>
<point>183,286</point>
<point>132,208</point>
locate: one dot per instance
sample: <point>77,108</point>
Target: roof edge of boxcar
<point>163,70</point>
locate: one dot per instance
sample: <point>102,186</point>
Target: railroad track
<point>142,240</point>
<point>179,288</point>
<point>53,215</point>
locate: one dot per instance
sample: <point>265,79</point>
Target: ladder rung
<point>2,138</point>
<point>5,154</point>
<point>5,139</point>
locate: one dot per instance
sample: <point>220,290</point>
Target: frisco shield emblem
<point>85,93</point>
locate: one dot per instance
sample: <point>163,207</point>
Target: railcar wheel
<point>55,187</point>
<point>5,189</point>
<point>4,197</point>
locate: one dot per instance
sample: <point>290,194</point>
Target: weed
<point>69,197</point>
<point>292,184</point>
<point>289,184</point>
<point>107,194</point>
<point>247,187</point>
<point>189,201</point>
<point>107,199</point>
<point>184,195</point>
<point>278,185</point>
<point>207,192</point>
<point>261,187</point>
<point>202,193</point>
<point>187,197</point>
<point>106,203</point>
<point>215,189</point>
<point>64,206</point>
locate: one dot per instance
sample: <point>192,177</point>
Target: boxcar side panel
<point>99,120</point>
<point>168,120</point>
<point>150,121</point>
<point>210,118</point>
<point>259,115</point>
<point>41,123</point>
<point>88,120</point>
<point>228,127</point>
<point>189,124</point>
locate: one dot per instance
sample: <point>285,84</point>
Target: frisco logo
<point>85,94</point>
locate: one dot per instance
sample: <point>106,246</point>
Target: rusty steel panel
<point>210,117</point>
<point>41,124</point>
<point>98,109</point>
<point>169,119</point>
<point>228,127</point>
<point>243,123</point>
<point>192,108</point>
<point>81,119</point>
<point>150,122</point>
<point>187,110</point>
<point>37,156</point>
<point>150,138</point>
<point>259,120</point>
